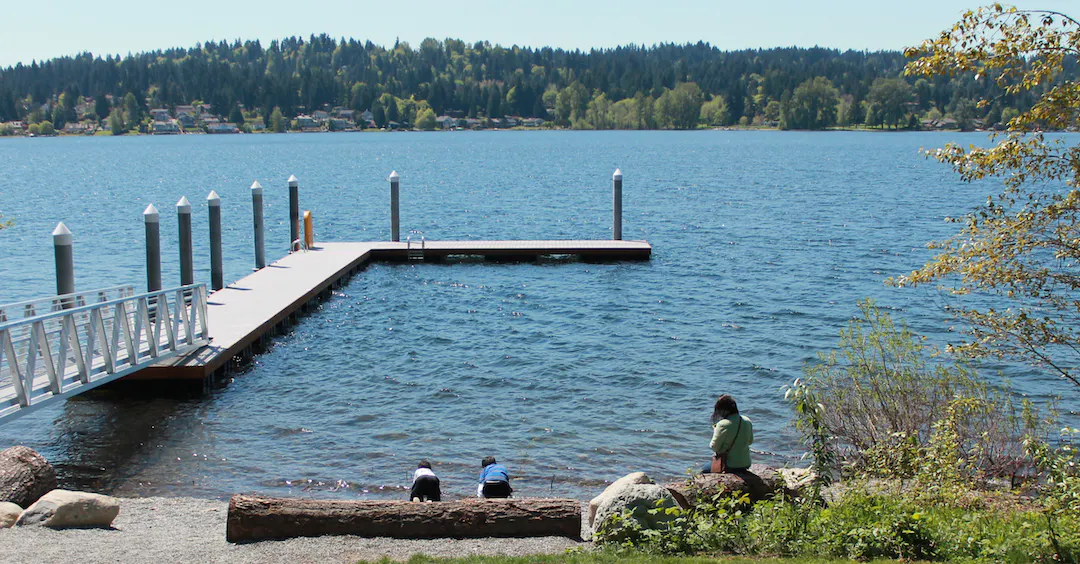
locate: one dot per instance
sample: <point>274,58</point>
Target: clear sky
<point>66,27</point>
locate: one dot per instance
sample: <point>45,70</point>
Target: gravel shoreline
<point>166,529</point>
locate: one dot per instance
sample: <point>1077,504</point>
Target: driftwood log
<point>259,518</point>
<point>25,476</point>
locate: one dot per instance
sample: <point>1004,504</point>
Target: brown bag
<point>719,461</point>
<point>719,464</point>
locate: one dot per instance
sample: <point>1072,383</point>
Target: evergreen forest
<point>664,86</point>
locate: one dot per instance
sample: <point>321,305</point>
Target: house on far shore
<point>532,122</point>
<point>166,127</point>
<point>222,127</point>
<point>77,128</point>
<point>160,114</point>
<point>307,123</point>
<point>446,122</point>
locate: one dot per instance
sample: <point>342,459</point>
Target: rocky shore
<point>193,530</point>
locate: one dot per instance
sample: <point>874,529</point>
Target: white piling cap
<point>61,235</point>
<point>617,175</point>
<point>394,176</point>
<point>213,199</point>
<point>183,206</point>
<point>150,214</point>
<point>256,187</point>
<point>293,181</point>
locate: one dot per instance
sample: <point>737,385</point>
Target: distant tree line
<point>632,87</point>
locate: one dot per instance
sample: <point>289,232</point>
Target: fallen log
<point>258,518</point>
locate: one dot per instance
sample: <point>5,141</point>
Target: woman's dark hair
<point>725,407</point>
<point>424,464</point>
<point>487,461</point>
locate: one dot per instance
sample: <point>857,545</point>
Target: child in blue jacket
<point>494,480</point>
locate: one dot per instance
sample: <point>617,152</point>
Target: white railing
<point>68,351</point>
<point>40,306</point>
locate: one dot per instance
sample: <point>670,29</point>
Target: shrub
<point>881,402</point>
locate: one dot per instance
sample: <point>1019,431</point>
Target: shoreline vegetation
<point>326,84</point>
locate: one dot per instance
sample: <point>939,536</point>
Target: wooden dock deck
<point>243,314</point>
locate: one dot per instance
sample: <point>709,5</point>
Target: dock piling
<point>63,243</point>
<point>294,214</point>
<point>616,220</point>
<point>152,219</point>
<point>217,276</point>
<point>257,215</point>
<point>395,221</point>
<point>187,262</point>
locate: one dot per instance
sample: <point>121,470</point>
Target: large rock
<point>63,508</point>
<point>634,502</point>
<point>759,482</point>
<point>614,488</point>
<point>9,513</point>
<point>25,476</point>
<point>798,479</point>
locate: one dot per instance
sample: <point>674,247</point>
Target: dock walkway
<point>242,314</point>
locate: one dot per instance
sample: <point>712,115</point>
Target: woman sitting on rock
<point>732,436</point>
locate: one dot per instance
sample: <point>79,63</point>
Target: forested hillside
<point>633,87</point>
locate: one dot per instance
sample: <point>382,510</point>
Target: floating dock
<point>244,315</point>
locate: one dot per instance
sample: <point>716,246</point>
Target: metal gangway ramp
<point>60,346</point>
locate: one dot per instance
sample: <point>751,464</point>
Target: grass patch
<point>609,557</point>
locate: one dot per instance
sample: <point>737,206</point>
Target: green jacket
<point>736,447</point>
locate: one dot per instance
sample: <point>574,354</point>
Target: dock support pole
<point>217,277</point>
<point>153,248</point>
<point>183,218</point>
<point>63,244</point>
<point>294,214</point>
<point>257,214</point>
<point>616,220</point>
<point>395,220</point>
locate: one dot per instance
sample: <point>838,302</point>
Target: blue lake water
<point>570,373</point>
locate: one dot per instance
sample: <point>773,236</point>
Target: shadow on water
<point>98,441</point>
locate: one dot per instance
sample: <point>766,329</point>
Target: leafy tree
<point>131,108</point>
<point>378,115</point>
<point>116,122</point>
<point>1021,246</point>
<point>889,97</point>
<point>277,121</point>
<point>812,106</point>
<point>680,108</point>
<point>425,120</point>
<point>46,128</point>
<point>714,112</point>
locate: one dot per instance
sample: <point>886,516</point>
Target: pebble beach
<point>177,529</point>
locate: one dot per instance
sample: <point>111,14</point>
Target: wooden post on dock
<point>217,277</point>
<point>294,214</point>
<point>187,261</point>
<point>63,249</point>
<point>395,219</point>
<point>616,220</point>
<point>153,248</point>
<point>257,215</point>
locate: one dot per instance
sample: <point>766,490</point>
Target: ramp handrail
<point>68,351</point>
<point>32,308</point>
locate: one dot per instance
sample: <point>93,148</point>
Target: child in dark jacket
<point>425,485</point>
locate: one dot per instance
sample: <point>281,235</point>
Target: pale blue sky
<point>66,27</point>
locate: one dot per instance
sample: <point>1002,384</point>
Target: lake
<point>569,373</point>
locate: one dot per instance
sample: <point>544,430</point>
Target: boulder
<point>9,513</point>
<point>611,490</point>
<point>63,508</point>
<point>25,476</point>
<point>759,482</point>
<point>797,479</point>
<point>635,502</point>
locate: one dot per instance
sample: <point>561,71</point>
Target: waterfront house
<point>338,124</point>
<point>346,114</point>
<point>166,127</point>
<point>367,116</point>
<point>307,123</point>
<point>222,127</point>
<point>185,110</point>
<point>186,120</point>
<point>77,128</point>
<point>446,122</point>
<point>321,116</point>
<point>532,122</point>
<point>160,114</point>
